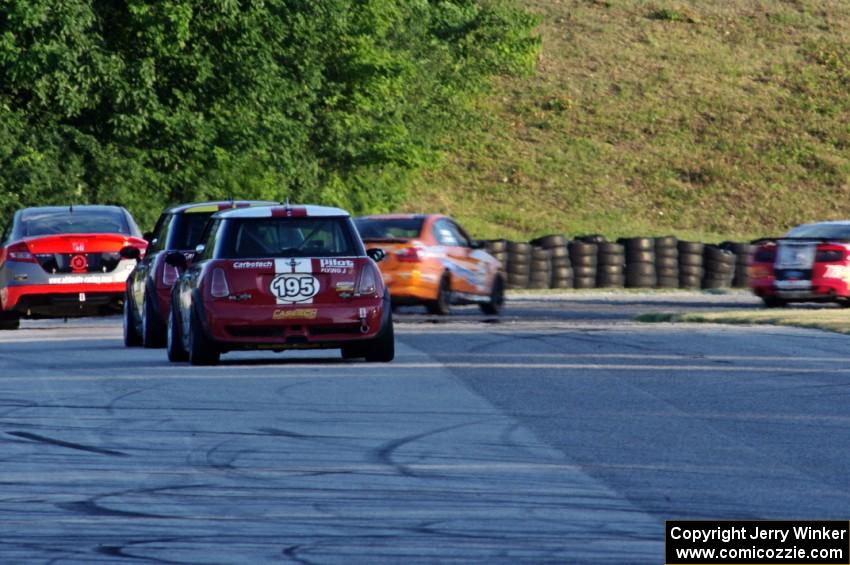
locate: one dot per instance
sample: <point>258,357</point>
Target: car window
<point>211,238</point>
<point>389,228</point>
<point>288,237</point>
<point>459,234</point>
<point>821,231</point>
<point>187,230</point>
<point>160,232</point>
<point>445,234</point>
<point>60,221</point>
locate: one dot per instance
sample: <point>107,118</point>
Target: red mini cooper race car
<point>280,277</point>
<point>179,228</point>
<point>65,261</point>
<point>810,263</point>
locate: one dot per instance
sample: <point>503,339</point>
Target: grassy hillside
<point>708,119</point>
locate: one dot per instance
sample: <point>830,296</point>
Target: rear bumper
<point>50,300</point>
<point>307,326</point>
<point>820,290</point>
<point>413,286</point>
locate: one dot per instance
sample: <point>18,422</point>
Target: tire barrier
<point>667,262</point>
<point>640,262</point>
<point>743,255</point>
<point>611,262</point>
<point>718,267</point>
<point>584,261</point>
<point>590,261</point>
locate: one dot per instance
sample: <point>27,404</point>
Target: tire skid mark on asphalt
<point>67,444</point>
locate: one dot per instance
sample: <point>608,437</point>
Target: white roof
<point>283,211</point>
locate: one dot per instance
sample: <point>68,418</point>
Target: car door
<point>143,269</point>
<point>464,269</point>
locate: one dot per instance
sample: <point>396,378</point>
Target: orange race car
<point>430,260</point>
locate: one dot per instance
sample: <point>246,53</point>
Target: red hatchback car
<point>280,277</point>
<point>178,228</point>
<point>810,263</point>
<point>65,261</point>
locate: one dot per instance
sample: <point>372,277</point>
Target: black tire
<point>521,269</point>
<point>691,270</point>
<point>558,252</point>
<point>584,282</point>
<point>550,241</point>
<point>202,350</point>
<point>719,268</point>
<point>610,281</point>
<point>610,248</point>
<point>561,283</point>
<point>591,238</point>
<point>712,282</point>
<point>666,262</point>
<point>497,298</point>
<point>611,259</point>
<point>690,247</point>
<point>691,259</point>
<point>497,246</point>
<point>582,249</point>
<point>690,281</point>
<point>773,302</point>
<point>9,321</point>
<point>640,256</point>
<point>540,254</point>
<point>382,348</point>
<point>518,248</point>
<point>153,328</point>
<point>666,241</point>
<point>585,261</point>
<point>608,270</point>
<point>640,281</point>
<point>517,281</point>
<point>637,243</point>
<point>667,273</point>
<point>667,282</point>
<point>712,253</point>
<point>174,340</point>
<point>540,266</point>
<point>562,273</point>
<point>584,272</point>
<point>640,269</point>
<point>132,337</point>
<point>441,305</point>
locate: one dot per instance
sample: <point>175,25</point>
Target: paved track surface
<point>562,434</point>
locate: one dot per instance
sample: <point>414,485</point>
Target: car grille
<point>55,263</point>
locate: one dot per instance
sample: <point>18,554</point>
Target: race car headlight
<point>218,286</point>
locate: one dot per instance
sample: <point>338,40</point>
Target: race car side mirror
<point>130,252</point>
<point>147,236</point>
<point>176,259</point>
<point>377,255</point>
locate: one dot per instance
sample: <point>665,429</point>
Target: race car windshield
<point>287,237</point>
<point>53,222</point>
<point>389,228</point>
<point>821,231</point>
<point>187,229</point>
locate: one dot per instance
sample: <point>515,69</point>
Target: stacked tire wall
<point>554,261</point>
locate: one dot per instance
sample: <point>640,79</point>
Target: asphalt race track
<point>562,433</point>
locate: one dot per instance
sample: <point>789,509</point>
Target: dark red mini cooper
<point>280,277</point>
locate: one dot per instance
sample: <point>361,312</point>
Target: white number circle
<point>295,287</point>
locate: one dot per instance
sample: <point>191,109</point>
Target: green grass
<point>707,119</point>
<point>834,320</point>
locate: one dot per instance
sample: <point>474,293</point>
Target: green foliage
<point>147,103</point>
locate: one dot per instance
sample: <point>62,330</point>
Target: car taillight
<point>218,286</point>
<point>368,283</point>
<point>408,255</point>
<point>829,255</point>
<point>169,274</point>
<point>20,252</point>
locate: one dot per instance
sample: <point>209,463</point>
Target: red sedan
<point>810,263</point>
<point>65,261</point>
<point>280,277</point>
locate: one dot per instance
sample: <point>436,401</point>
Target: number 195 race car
<point>279,277</point>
